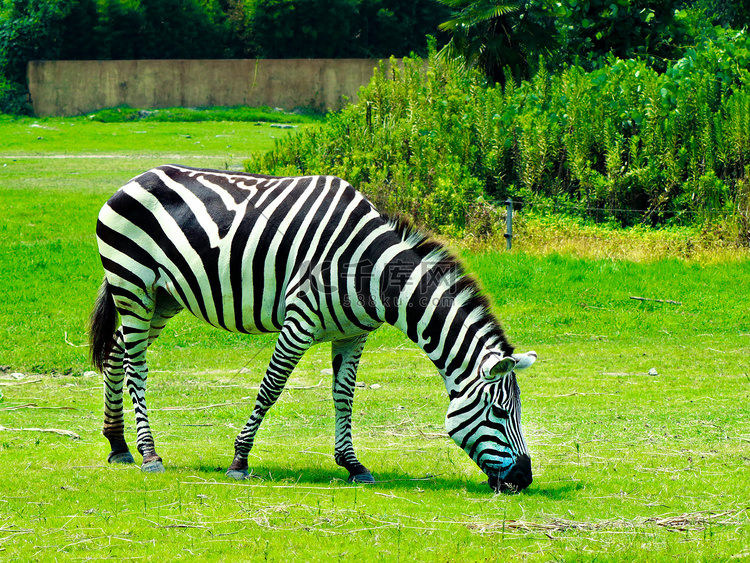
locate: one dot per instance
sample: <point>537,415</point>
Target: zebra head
<point>485,421</point>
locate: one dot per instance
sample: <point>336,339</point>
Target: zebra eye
<point>499,412</point>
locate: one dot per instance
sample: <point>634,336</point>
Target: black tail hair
<point>102,326</point>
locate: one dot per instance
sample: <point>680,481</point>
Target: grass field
<point>628,466</point>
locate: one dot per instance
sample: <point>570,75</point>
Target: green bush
<point>594,29</point>
<point>434,142</point>
<point>14,98</point>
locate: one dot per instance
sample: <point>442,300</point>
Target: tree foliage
<point>397,27</point>
<point>177,29</point>
<point>726,13</point>
<point>40,29</point>
<point>500,35</point>
<point>344,28</point>
<point>296,28</point>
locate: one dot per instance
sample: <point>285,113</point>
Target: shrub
<point>592,30</point>
<point>634,145</point>
<point>14,98</point>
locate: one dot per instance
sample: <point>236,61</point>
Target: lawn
<point>627,466</point>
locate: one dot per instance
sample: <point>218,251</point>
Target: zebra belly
<point>326,327</point>
<point>218,304</point>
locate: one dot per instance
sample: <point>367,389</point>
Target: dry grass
<point>689,522</point>
<point>542,236</point>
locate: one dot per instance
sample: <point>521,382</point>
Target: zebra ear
<point>524,360</point>
<point>502,367</point>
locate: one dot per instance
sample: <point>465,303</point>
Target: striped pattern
<point>311,259</point>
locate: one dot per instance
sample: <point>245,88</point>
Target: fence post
<point>509,223</point>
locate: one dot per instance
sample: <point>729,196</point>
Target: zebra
<point>312,259</point>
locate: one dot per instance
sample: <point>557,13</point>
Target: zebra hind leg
<point>107,351</point>
<point>346,355</point>
<point>165,308</point>
<point>114,422</point>
<point>142,324</point>
<point>136,335</point>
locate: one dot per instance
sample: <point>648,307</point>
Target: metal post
<point>509,222</point>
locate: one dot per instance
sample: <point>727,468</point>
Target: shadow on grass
<point>385,481</point>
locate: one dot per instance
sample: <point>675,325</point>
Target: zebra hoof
<point>122,457</point>
<point>154,466</point>
<point>238,474</point>
<point>364,478</point>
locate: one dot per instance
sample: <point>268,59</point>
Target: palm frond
<point>494,34</point>
<point>475,13</point>
<point>455,3</point>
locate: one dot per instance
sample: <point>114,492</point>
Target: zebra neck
<point>454,335</point>
<point>439,308</point>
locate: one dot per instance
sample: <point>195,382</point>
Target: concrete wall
<point>66,88</point>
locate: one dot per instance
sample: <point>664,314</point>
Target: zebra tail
<point>102,326</point>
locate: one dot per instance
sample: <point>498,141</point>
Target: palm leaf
<point>491,35</point>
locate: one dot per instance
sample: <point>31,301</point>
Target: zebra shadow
<point>394,481</point>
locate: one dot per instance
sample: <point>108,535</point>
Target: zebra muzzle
<point>517,479</point>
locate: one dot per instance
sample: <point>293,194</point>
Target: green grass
<point>627,466</point>
<point>80,137</point>
<point>262,114</point>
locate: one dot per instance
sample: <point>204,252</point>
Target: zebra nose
<point>520,474</point>
<point>517,479</point>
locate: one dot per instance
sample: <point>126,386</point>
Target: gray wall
<point>67,88</point>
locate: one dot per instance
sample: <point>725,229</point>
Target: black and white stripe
<point>311,259</point>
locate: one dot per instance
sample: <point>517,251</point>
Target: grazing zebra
<point>311,259</point>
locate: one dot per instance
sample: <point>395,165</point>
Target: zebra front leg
<point>290,347</point>
<point>345,355</point>
<point>114,421</point>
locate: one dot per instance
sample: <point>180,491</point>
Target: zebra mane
<point>425,245</point>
